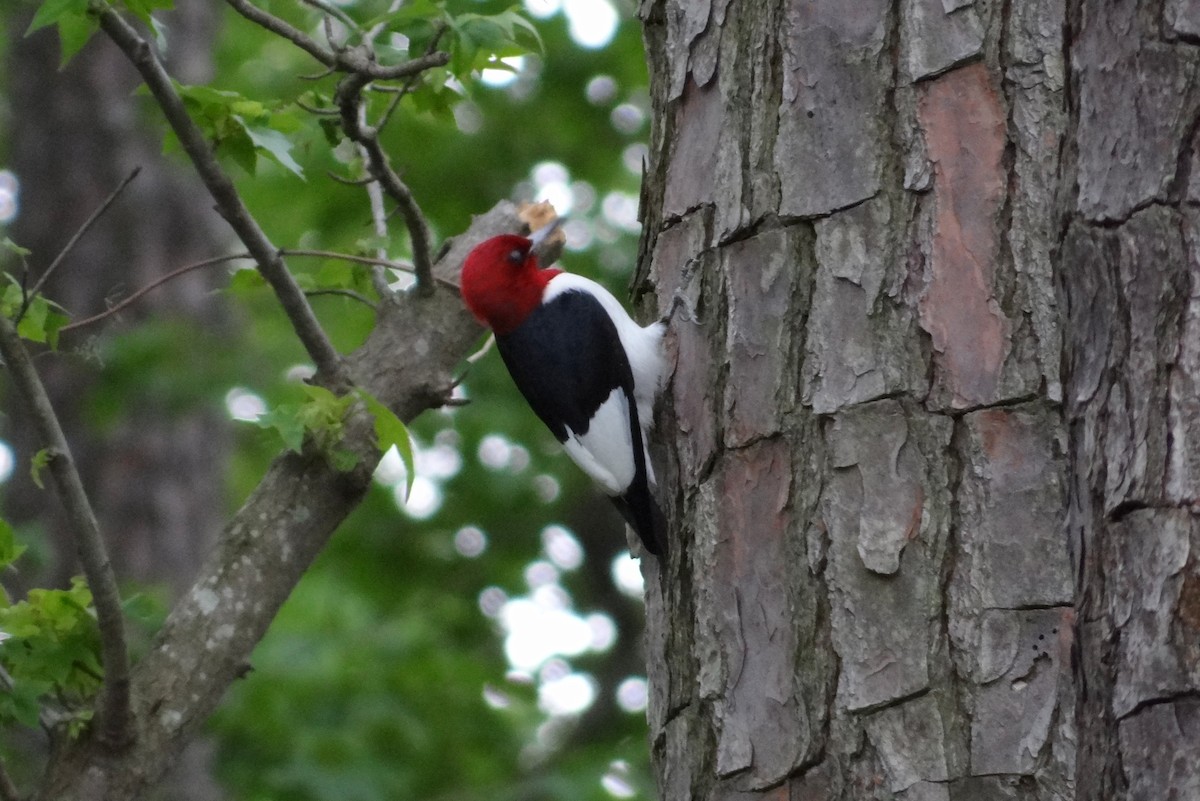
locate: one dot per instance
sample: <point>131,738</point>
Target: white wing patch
<point>643,344</point>
<point>605,452</point>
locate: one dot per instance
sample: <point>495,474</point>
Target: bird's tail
<point>642,512</point>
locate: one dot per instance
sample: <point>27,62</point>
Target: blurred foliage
<point>383,678</point>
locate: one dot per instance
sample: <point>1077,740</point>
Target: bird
<point>586,368</point>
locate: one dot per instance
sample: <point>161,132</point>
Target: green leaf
<point>53,11</point>
<point>390,430</point>
<point>285,421</point>
<point>37,464</point>
<point>41,322</point>
<point>142,8</point>
<point>246,280</point>
<point>10,551</point>
<point>73,33</point>
<point>52,647</point>
<point>320,417</point>
<point>14,248</point>
<point>33,324</point>
<point>276,147</point>
<point>54,323</point>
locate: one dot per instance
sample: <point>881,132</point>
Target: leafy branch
<point>113,714</point>
<point>229,202</point>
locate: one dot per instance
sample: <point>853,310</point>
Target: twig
<point>320,112</point>
<point>8,790</point>
<point>379,218</point>
<point>155,284</point>
<point>83,229</point>
<point>392,264</point>
<point>341,179</point>
<point>359,63</point>
<point>113,715</point>
<point>408,84</point>
<point>413,67</point>
<point>379,215</point>
<point>347,293</point>
<point>228,201</point>
<point>487,345</point>
<point>349,99</point>
<point>280,28</point>
<point>334,11</point>
<point>351,60</point>
<point>187,268</point>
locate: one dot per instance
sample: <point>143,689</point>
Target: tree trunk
<point>1130,262</point>
<point>852,210</point>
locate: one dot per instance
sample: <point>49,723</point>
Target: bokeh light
<point>633,694</point>
<point>499,77</point>
<point>9,193</point>
<point>562,548</point>
<point>470,541</point>
<point>242,404</point>
<point>627,575</point>
<point>7,462</point>
<point>591,23</point>
<point>616,780</point>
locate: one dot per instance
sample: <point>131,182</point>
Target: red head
<point>502,283</point>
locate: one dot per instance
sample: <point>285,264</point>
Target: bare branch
<point>113,715</point>
<point>155,284</point>
<point>349,99</point>
<point>346,293</point>
<point>351,60</point>
<point>187,268</point>
<point>413,67</point>
<point>333,11</point>
<point>320,112</point>
<point>341,179</point>
<point>83,229</point>
<point>228,202</point>
<point>279,27</point>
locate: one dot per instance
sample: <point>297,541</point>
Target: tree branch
<point>229,203</point>
<point>349,99</point>
<point>206,642</point>
<point>155,284</point>
<point>113,716</point>
<point>187,268</point>
<point>331,10</point>
<point>345,293</point>
<point>83,229</point>
<point>280,28</point>
<point>351,60</point>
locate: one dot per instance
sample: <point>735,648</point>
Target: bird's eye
<point>516,257</point>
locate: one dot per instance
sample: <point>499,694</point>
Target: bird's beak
<point>540,238</point>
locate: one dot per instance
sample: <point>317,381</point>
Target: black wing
<point>567,359</point>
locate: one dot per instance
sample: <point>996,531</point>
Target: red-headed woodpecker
<point>585,367</point>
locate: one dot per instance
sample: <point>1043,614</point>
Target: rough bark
<point>851,208</point>
<point>1130,262</point>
